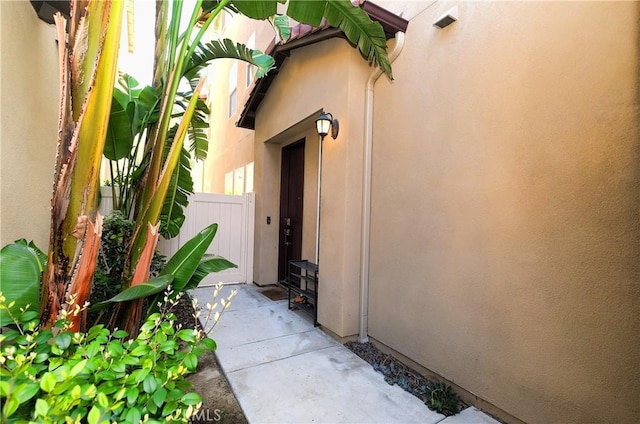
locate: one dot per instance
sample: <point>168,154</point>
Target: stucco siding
<point>28,123</point>
<point>505,217</point>
<point>230,147</point>
<point>327,76</point>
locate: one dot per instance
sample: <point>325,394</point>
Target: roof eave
<point>391,24</point>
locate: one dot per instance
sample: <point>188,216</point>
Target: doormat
<point>275,293</point>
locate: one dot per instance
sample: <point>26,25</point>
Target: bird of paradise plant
<point>87,75</point>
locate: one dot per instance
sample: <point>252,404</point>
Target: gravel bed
<point>396,372</point>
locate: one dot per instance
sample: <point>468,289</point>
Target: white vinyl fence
<point>234,239</point>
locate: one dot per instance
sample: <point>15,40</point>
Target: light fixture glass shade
<point>323,124</point>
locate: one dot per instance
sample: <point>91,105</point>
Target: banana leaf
<point>208,264</point>
<point>280,24</point>
<point>149,102</point>
<point>209,5</point>
<point>119,133</point>
<point>259,9</point>
<point>227,49</point>
<point>197,130</point>
<point>360,30</point>
<point>177,199</point>
<point>185,261</point>
<point>42,257</point>
<point>21,266</point>
<point>198,141</point>
<point>132,109</point>
<point>141,103</point>
<point>139,291</point>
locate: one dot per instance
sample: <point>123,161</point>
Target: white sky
<point>140,63</point>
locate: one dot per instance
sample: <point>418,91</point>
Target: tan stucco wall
<point>505,221</point>
<point>230,147</point>
<point>28,122</point>
<point>269,162</point>
<point>330,76</point>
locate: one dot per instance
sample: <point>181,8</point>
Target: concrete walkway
<point>283,370</point>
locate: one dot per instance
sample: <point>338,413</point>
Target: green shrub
<point>117,232</point>
<point>442,399</point>
<point>59,376</point>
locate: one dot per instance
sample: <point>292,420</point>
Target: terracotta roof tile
<point>302,30</point>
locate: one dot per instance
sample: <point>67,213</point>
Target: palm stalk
<point>176,63</point>
<point>132,315</point>
<point>160,170</point>
<point>151,213</point>
<point>87,69</point>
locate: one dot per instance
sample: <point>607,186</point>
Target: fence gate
<point>234,239</point>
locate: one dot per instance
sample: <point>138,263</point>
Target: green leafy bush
<point>52,376</point>
<point>442,399</point>
<point>21,266</point>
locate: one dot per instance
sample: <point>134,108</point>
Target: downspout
<point>366,188</point>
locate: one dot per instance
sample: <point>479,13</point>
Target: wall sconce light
<point>326,122</point>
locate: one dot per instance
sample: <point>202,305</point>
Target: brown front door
<point>291,203</point>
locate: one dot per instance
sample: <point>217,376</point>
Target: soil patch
<point>219,404</point>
